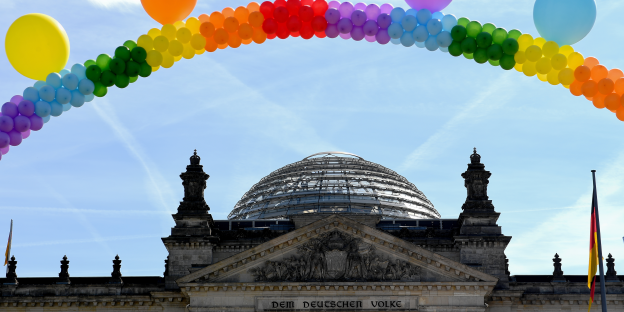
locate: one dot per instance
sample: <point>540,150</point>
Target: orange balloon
<point>256,19</point>
<point>599,72</point>
<point>599,100</point>
<point>591,62</point>
<point>247,41</point>
<point>223,46</point>
<point>211,45</point>
<point>615,74</point>
<point>576,88</point>
<point>228,12</point>
<point>234,41</point>
<point>216,18</point>
<point>620,113</point>
<point>619,86</point>
<point>231,24</point>
<point>167,11</point>
<point>612,102</point>
<point>259,36</point>
<point>221,36</point>
<point>253,7</point>
<point>241,14</point>
<point>204,18</point>
<point>589,88</point>
<point>207,29</point>
<point>605,85</point>
<point>582,73</point>
<point>245,31</point>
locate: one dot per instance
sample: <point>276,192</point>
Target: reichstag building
<point>332,232</point>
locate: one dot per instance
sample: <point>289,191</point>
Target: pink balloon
<point>333,5</point>
<point>360,6</point>
<point>4,150</point>
<point>431,5</point>
<point>370,38</point>
<point>386,8</point>
<point>26,134</point>
<point>17,99</point>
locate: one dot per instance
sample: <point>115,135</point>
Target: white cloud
<point>116,4</point>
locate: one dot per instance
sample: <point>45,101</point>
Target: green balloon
<point>454,49</point>
<point>469,56</point>
<point>514,33</point>
<point>510,46</point>
<point>130,44</point>
<point>133,68</point>
<point>462,21</point>
<point>495,52</point>
<point>146,70</point>
<point>102,61</point>
<point>117,66</point>
<point>507,62</point>
<point>93,73</point>
<point>122,52</point>
<point>484,40</point>
<point>100,90</point>
<point>458,33</point>
<point>139,55</point>
<point>469,45</point>
<point>474,29</point>
<point>89,63</point>
<point>499,35</point>
<point>122,81</point>
<point>133,79</point>
<point>107,78</point>
<point>480,56</point>
<point>489,28</point>
<point>493,62</point>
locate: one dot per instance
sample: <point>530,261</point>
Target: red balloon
<point>294,24</point>
<point>295,34</point>
<point>269,26</point>
<point>319,23</point>
<point>282,31</point>
<point>279,3</point>
<point>306,31</point>
<point>307,2</point>
<point>320,7</point>
<point>271,36</point>
<point>293,7</point>
<point>280,14</point>
<point>306,13</point>
<point>320,34</point>
<point>266,8</point>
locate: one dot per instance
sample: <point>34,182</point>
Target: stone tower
<point>191,241</point>
<point>480,240</point>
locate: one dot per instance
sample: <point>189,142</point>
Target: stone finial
<point>64,275</point>
<point>116,274</point>
<point>507,268</point>
<point>557,273</point>
<point>194,182</point>
<point>611,275</point>
<point>166,273</point>
<point>195,158</point>
<point>475,158</point>
<point>10,274</point>
<point>476,180</point>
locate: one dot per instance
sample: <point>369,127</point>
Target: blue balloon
<point>419,44</point>
<point>395,41</point>
<point>86,86</point>
<point>46,119</point>
<point>56,108</point>
<point>64,72</point>
<point>564,21</point>
<point>444,39</point>
<point>409,22</point>
<point>407,39</point>
<point>431,43</point>
<point>63,96</point>
<point>42,109</point>
<point>397,14</point>
<point>70,81</point>
<point>31,94</point>
<point>39,84</point>
<point>448,22</point>
<point>66,107</point>
<point>54,80</point>
<point>434,27</point>
<point>77,99</point>
<point>445,50</point>
<point>79,70</point>
<point>47,93</point>
<point>420,33</point>
<point>411,12</point>
<point>437,15</point>
<point>423,16</point>
<point>395,31</point>
<point>89,97</point>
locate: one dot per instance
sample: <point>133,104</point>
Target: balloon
<point>455,49</point>
<point>4,140</point>
<point>15,138</point>
<point>46,119</point>
<point>423,16</point>
<point>533,53</point>
<point>564,21</point>
<point>382,36</point>
<point>21,123</point>
<point>463,21</point>
<point>395,41</point>
<point>372,11</point>
<point>130,44</point>
<point>333,4</point>
<point>70,81</point>
<point>436,15</point>
<point>332,16</point>
<point>599,72</point>
<point>346,36</point>
<point>499,35</point>
<point>420,44</point>
<point>56,109</point>
<point>489,28</point>
<point>79,70</point>
<point>26,108</point>
<point>473,29</point>
<point>384,20</point>
<point>122,81</point>
<point>495,52</point>
<point>345,25</point>
<point>434,27</point>
<point>395,31</point>
<point>66,107</point>
<point>420,33</point>
<point>345,9</point>
<point>168,12</point>
<point>458,33</point>
<point>484,40</point>
<point>612,102</point>
<point>448,22</point>
<point>566,76</point>
<point>26,134</point>
<point>86,86</point>
<point>359,18</point>
<point>6,123</point>
<point>370,28</point>
<point>77,99</point>
<point>370,38</point>
<point>360,6</point>
<point>575,60</point>
<point>589,88</point>
<point>543,66</point>
<point>407,39</point>
<point>444,39</point>
<point>133,68</point>
<point>431,5</point>
<point>31,94</point>
<point>16,99</point>
<point>582,73</point>
<point>42,109</point>
<point>36,45</point>
<point>605,86</point>
<point>89,98</point>
<point>431,43</point>
<point>63,95</point>
<point>480,55</point>
<point>397,14</point>
<point>357,33</point>
<point>10,109</point>
<point>47,93</point>
<point>123,53</point>
<point>332,31</point>
<point>510,46</point>
<point>54,80</point>
<point>386,8</point>
<point>469,45</point>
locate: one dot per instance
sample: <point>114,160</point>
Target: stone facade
<point>321,262</point>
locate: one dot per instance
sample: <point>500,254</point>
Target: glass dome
<point>333,182</point>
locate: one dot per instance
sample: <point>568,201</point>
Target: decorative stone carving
<point>476,180</point>
<point>64,275</point>
<point>557,273</point>
<point>611,275</point>
<point>336,256</point>
<point>194,182</point>
<point>10,274</point>
<point>116,274</point>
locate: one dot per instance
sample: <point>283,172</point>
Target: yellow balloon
<point>533,53</point>
<point>154,58</point>
<point>539,41</point>
<point>528,68</point>
<point>198,42</point>
<point>193,24</point>
<point>37,45</point>
<point>175,48</point>
<point>200,52</point>
<point>155,68</point>
<point>575,60</point>
<point>553,77</point>
<point>154,32</point>
<point>542,77</point>
<point>188,52</point>
<point>524,41</point>
<point>550,48</point>
<point>168,31</point>
<point>559,61</point>
<point>161,43</point>
<point>184,35</point>
<point>167,60</point>
<point>566,50</point>
<point>518,67</point>
<point>520,57</point>
<point>566,76</point>
<point>146,42</point>
<point>543,66</point>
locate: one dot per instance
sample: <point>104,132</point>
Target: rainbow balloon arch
<point>306,19</point>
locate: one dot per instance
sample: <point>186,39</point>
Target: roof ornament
<point>64,275</point>
<point>11,276</point>
<point>116,274</point>
<point>475,158</point>
<point>195,159</point>
<point>557,273</point>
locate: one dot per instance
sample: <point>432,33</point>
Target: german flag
<point>593,251</point>
<point>7,254</point>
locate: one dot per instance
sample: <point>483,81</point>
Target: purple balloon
<point>346,8</point>
<point>370,28</point>
<point>15,138</point>
<point>345,36</point>
<point>357,33</point>
<point>386,8</point>
<point>332,16</point>
<point>6,123</point>
<point>9,109</point>
<point>384,20</point>
<point>4,139</point>
<point>22,123</point>
<point>26,108</point>
<point>344,26</point>
<point>360,6</point>
<point>16,99</point>
<point>370,38</point>
<point>382,36</point>
<point>431,5</point>
<point>36,122</point>
<point>332,31</point>
<point>333,5</point>
<point>358,18</point>
<point>26,134</point>
<point>5,149</point>
<point>372,11</point>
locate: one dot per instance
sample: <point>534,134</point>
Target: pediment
<point>335,249</point>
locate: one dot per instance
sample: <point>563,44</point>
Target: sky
<point>103,179</point>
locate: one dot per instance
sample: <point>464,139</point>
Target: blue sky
<point>103,179</point>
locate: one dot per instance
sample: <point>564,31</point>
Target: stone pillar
<point>191,241</point>
<point>64,275</point>
<point>116,274</point>
<point>480,240</point>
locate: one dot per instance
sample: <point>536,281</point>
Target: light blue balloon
<point>407,39</point>
<point>46,119</point>
<point>79,70</point>
<point>42,109</point>
<point>395,41</point>
<point>409,22</point>
<point>39,84</point>
<point>77,99</point>
<point>419,44</point>
<point>89,97</point>
<point>448,22</point>
<point>437,15</point>
<point>420,33</point>
<point>66,107</point>
<point>56,108</point>
<point>397,14</point>
<point>564,21</point>
<point>64,72</point>
<point>395,31</point>
<point>423,16</point>
<point>444,39</point>
<point>86,86</point>
<point>431,43</point>
<point>434,27</point>
<point>31,94</point>
<point>411,12</point>
<point>70,81</point>
<point>54,80</point>
<point>445,50</point>
<point>63,96</point>
<point>47,93</point>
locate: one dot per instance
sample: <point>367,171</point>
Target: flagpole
<point>603,297</point>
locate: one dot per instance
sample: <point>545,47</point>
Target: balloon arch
<point>425,27</point>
